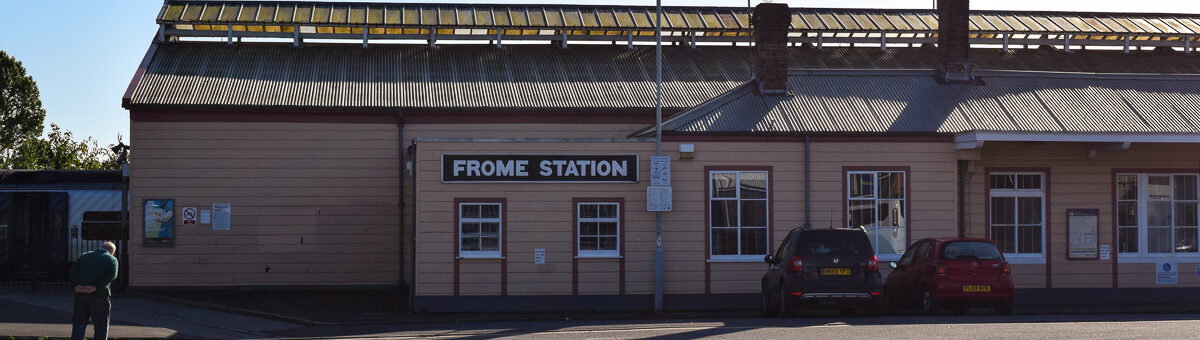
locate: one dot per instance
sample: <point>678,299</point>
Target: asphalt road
<point>1087,326</point>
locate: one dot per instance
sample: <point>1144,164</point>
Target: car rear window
<point>846,243</point>
<point>970,250</point>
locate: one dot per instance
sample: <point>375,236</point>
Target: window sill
<point>599,257</point>
<point>737,259</point>
<point>480,258</point>
<point>1155,258</point>
<point>1025,259</point>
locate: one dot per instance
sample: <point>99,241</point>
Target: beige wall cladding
<point>540,215</point>
<point>1081,177</point>
<point>315,202</point>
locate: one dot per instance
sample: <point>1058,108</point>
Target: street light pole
<point>658,251</point>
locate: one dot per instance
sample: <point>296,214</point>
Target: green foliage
<point>60,151</point>
<point>21,120</point>
<point>21,112</point>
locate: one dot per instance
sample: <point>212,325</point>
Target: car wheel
<point>878,307</point>
<point>929,305</point>
<point>1004,308</point>
<point>785,310</point>
<point>769,308</point>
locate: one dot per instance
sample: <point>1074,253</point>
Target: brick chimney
<point>771,21</point>
<point>954,42</point>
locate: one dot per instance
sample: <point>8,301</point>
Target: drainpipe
<point>412,218</point>
<point>807,184</point>
<point>962,198</point>
<point>400,193</point>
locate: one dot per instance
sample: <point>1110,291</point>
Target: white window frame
<point>1143,255</point>
<point>1016,193</point>
<point>499,220</point>
<point>579,220</point>
<point>875,198</point>
<point>738,197</point>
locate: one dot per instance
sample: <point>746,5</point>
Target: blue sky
<point>83,53</point>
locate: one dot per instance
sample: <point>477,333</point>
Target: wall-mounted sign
<point>189,215</point>
<point>158,222</point>
<point>1166,273</point>
<point>222,213</point>
<point>1103,251</point>
<point>1082,240</point>
<point>205,216</point>
<point>462,168</point>
<point>539,256</point>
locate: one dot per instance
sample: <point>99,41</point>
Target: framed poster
<point>158,222</point>
<point>1083,234</point>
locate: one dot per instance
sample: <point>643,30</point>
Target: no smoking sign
<point>189,215</point>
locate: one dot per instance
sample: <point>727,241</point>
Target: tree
<point>21,112</point>
<point>60,151</point>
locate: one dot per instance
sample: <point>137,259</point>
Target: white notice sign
<point>1103,251</point>
<point>205,216</point>
<point>221,215</point>
<point>1166,273</point>
<point>189,216</point>
<point>539,256</point>
<point>660,170</point>
<point>658,198</point>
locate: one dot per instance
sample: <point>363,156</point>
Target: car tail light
<point>873,264</point>
<point>797,293</point>
<point>1004,270</point>
<point>797,263</point>
<point>940,268</point>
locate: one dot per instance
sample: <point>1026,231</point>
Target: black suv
<point>823,267</point>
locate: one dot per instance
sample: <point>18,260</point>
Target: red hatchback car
<point>959,273</point>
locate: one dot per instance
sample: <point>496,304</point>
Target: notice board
<point>1082,234</point>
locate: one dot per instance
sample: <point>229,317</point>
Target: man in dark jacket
<point>91,274</point>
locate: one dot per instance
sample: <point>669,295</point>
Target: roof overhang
<point>976,139</point>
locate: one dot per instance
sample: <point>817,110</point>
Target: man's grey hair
<point>112,248</point>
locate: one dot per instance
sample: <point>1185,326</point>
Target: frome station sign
<point>512,168</point>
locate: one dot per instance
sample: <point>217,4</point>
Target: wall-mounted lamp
<point>687,151</point>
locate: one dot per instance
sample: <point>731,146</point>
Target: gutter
<point>412,251</point>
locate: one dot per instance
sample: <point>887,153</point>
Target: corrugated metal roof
<point>875,101</point>
<point>382,19</point>
<point>536,76</point>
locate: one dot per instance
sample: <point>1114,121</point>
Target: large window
<point>1156,213</point>
<point>876,205</point>
<point>1017,212</point>
<point>479,229</point>
<point>738,214</point>
<point>599,229</point>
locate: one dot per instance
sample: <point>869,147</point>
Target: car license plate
<point>835,271</point>
<point>977,288</point>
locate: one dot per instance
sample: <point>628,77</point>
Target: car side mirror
<point>769,259</point>
<point>893,265</point>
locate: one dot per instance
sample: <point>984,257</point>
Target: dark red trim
<point>1047,216</point>
<point>264,117</point>
<point>559,117</point>
<point>908,200</point>
<point>620,201</point>
<point>137,75</point>
<point>1115,249</point>
<point>1068,223</point>
<point>708,202</point>
<point>848,138</point>
<point>503,240</point>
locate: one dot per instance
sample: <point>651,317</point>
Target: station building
<point>497,157</point>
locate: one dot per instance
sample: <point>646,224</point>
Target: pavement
<point>47,313</point>
<point>248,314</point>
